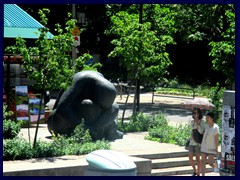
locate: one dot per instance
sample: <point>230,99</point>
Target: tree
<point>49,64</point>
<point>142,51</point>
<point>214,26</point>
<point>223,51</point>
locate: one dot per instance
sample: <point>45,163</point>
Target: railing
<point>191,89</point>
<point>124,88</point>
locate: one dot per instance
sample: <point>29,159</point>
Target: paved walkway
<point>170,105</point>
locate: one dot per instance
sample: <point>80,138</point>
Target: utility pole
<point>74,54</point>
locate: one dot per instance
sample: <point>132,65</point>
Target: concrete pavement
<point>170,105</point>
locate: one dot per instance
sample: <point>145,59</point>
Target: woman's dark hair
<point>211,114</point>
<point>199,111</point>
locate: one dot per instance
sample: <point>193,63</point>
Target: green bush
<point>80,142</point>
<point>143,122</point>
<point>175,87</point>
<point>170,134</point>
<point>16,148</point>
<point>80,135</point>
<point>158,128</point>
<point>11,129</point>
<point>91,146</point>
<point>46,149</point>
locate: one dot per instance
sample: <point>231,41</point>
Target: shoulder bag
<point>197,136</point>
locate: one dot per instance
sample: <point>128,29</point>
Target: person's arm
<point>216,138</point>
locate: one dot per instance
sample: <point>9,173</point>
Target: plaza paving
<point>169,105</point>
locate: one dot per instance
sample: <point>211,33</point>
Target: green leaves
<point>49,64</point>
<point>223,51</point>
<point>141,47</point>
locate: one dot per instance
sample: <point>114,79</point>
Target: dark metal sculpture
<point>90,98</point>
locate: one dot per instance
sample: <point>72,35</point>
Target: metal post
<point>8,83</point>
<point>138,80</point>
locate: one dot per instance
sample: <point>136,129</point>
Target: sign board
<point>76,31</point>
<point>22,103</point>
<point>227,167</point>
<point>34,108</point>
<point>76,41</point>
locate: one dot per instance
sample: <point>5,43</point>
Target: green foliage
<point>169,134</point>
<point>14,149</point>
<point>142,122</point>
<point>158,128</point>
<point>213,24</point>
<point>48,64</point>
<point>6,114</point>
<point>215,95</point>
<point>141,48</point>
<point>175,91</point>
<point>191,21</point>
<point>11,128</point>
<point>80,142</point>
<point>83,63</point>
<point>175,87</point>
<point>79,135</point>
<point>91,146</point>
<point>223,51</point>
<point>45,149</point>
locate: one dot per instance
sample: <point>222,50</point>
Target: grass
<point>185,90</point>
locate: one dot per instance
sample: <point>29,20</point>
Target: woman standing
<point>209,146</point>
<point>194,147</point>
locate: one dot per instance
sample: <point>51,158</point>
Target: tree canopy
<point>211,24</point>
<point>141,47</point>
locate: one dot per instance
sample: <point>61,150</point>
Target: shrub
<point>16,148</point>
<point>91,146</point>
<point>11,129</point>
<point>80,135</point>
<point>46,149</point>
<point>80,142</point>
<point>215,96</point>
<point>142,122</point>
<point>169,134</point>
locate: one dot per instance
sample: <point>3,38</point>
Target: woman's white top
<point>200,130</point>
<point>208,142</point>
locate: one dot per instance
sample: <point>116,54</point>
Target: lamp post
<point>138,80</point>
<point>74,54</point>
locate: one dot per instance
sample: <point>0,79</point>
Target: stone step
<point>176,171</point>
<point>169,162</point>
<point>180,153</point>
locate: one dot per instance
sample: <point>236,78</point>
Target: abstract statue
<point>90,98</point>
